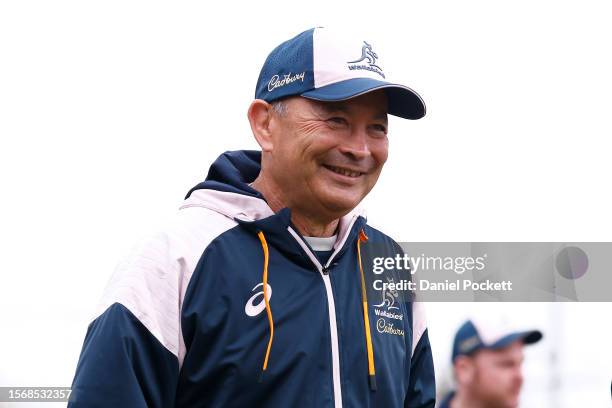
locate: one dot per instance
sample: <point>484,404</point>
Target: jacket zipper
<point>331,306</point>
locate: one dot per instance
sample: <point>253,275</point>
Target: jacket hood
<point>232,172</point>
<point>226,188</point>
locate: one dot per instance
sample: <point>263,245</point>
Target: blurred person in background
<point>487,364</point>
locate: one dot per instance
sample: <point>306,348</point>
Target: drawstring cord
<point>370,351</point>
<point>366,319</point>
<point>264,246</point>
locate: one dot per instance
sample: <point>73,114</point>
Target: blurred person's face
<point>494,377</point>
<point>327,156</point>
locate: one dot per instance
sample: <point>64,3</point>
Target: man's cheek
<point>372,177</point>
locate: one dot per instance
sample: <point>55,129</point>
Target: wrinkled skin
<point>311,144</point>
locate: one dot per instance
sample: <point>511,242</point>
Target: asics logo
<point>252,309</point>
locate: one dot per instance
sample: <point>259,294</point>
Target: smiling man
<point>320,158</point>
<point>256,294</point>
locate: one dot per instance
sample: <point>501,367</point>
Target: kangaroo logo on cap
<point>368,55</point>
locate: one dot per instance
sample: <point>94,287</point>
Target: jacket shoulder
<point>151,281</point>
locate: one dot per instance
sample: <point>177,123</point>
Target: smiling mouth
<point>343,171</point>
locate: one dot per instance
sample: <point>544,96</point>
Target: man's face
<point>327,156</point>
<point>498,376</point>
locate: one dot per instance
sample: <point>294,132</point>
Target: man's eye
<point>380,128</point>
<point>337,121</point>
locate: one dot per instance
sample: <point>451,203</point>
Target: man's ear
<point>464,370</point>
<point>260,114</point>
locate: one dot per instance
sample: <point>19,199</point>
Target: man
<point>255,296</point>
<point>487,364</point>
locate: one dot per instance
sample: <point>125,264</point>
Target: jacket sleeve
<point>123,365</point>
<point>130,353</point>
<point>422,382</point>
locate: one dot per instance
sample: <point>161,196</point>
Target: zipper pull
<point>325,270</point>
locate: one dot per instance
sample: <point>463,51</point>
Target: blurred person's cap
<point>476,335</point>
<point>329,65</point>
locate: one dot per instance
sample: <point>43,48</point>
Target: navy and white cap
<point>328,65</point>
<point>478,334</point>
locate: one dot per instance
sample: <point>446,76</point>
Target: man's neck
<point>306,224</point>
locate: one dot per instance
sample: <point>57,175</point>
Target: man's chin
<point>336,201</point>
<point>513,402</point>
<point>340,205</point>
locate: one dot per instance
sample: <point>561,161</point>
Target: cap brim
<point>527,337</point>
<point>403,101</point>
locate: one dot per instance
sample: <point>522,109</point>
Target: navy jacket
<point>184,323</point>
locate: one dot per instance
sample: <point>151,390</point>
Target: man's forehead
<point>513,349</point>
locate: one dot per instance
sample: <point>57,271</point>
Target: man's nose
<point>356,145</point>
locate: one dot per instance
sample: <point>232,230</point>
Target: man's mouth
<point>344,171</point>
